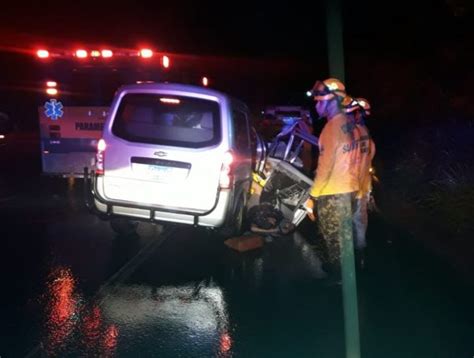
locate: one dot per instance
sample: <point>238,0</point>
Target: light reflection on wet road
<point>75,289</point>
<point>68,317</point>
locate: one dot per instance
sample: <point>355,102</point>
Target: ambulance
<point>76,90</point>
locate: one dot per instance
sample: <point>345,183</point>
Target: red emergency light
<point>146,53</point>
<point>95,53</point>
<point>81,53</point>
<point>52,91</point>
<point>166,62</point>
<point>205,81</point>
<point>42,53</point>
<point>107,53</point>
<point>51,84</point>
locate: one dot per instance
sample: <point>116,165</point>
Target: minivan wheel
<point>123,226</point>
<point>236,225</point>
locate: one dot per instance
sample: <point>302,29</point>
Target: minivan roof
<point>181,87</point>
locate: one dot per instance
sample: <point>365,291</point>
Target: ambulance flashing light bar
<point>105,53</point>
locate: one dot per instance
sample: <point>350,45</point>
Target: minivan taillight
<point>225,178</point>
<point>99,157</point>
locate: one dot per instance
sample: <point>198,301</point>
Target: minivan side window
<point>241,131</point>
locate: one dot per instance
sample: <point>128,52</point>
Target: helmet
<point>364,104</point>
<point>356,104</point>
<point>327,89</point>
<point>350,104</point>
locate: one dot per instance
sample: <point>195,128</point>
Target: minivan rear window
<point>168,120</point>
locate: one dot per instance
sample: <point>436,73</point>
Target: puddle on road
<point>178,320</point>
<point>181,321</point>
<point>70,322</point>
<point>197,298</point>
<point>189,320</point>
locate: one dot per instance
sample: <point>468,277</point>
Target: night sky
<point>260,28</point>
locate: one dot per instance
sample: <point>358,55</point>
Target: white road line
<point>130,267</point>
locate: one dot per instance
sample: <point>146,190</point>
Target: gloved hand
<point>309,206</point>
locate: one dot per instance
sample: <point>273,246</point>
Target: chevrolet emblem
<point>160,154</point>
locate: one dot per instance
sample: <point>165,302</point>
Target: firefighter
<point>357,109</point>
<point>336,183</point>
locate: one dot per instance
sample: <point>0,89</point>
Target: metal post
<point>349,293</point>
<point>349,285</point>
<point>335,39</point>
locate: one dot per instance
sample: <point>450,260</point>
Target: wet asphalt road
<point>72,288</point>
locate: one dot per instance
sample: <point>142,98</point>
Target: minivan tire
<point>123,226</point>
<point>236,224</point>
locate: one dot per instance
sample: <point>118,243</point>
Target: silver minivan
<point>175,153</point>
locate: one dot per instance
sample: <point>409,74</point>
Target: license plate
<point>159,173</point>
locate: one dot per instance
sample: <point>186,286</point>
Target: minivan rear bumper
<point>96,202</point>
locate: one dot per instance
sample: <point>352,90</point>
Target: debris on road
<point>246,242</point>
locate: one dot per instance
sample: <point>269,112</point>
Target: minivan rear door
<point>163,151</point>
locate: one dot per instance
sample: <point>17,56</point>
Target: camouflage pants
<point>335,216</point>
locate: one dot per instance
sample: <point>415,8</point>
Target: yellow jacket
<point>340,158</point>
